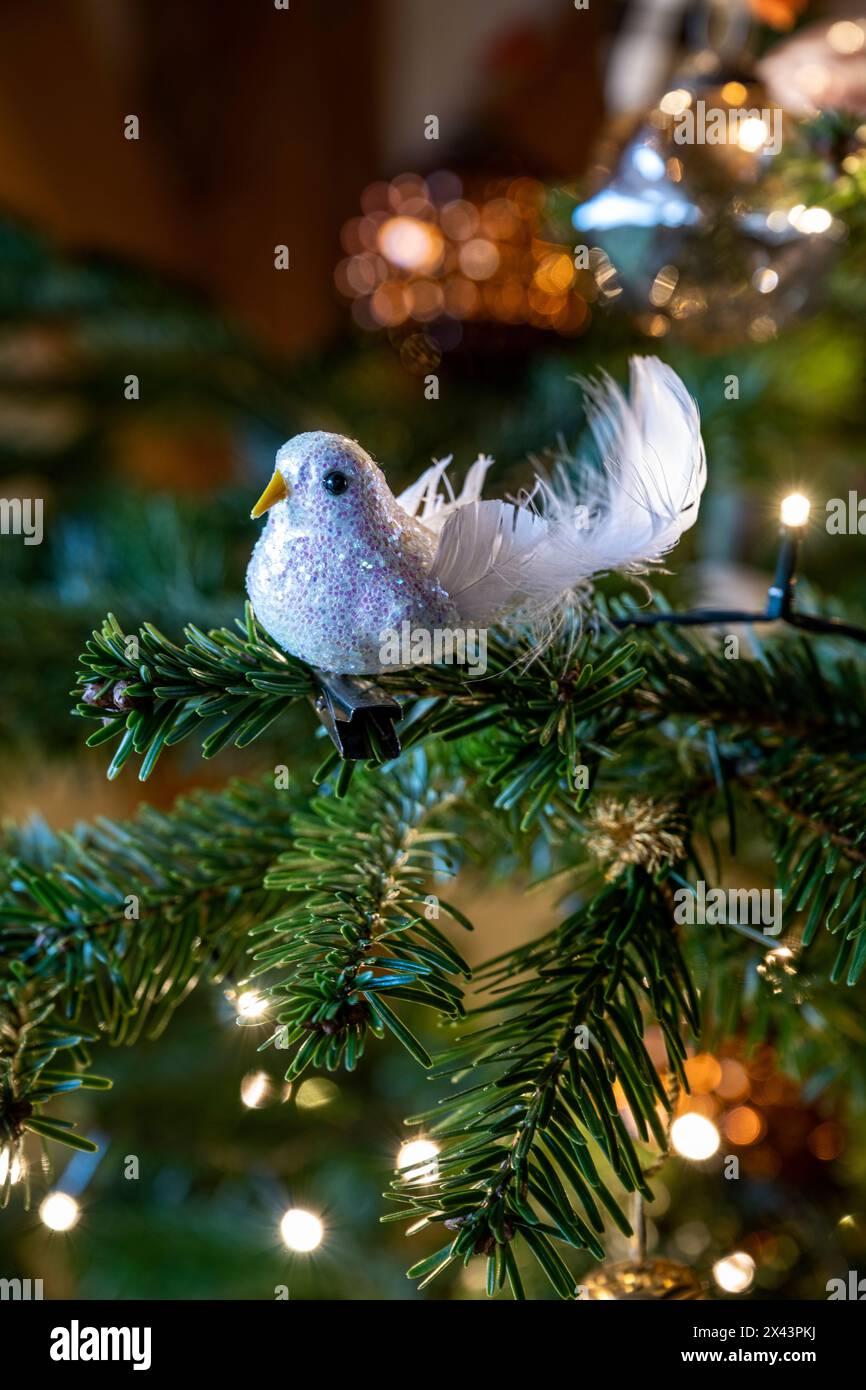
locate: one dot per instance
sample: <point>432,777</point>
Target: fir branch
<point>146,553</point>
<point>124,919</point>
<point>364,934</point>
<point>228,686</point>
<point>849,841</point>
<point>814,811</point>
<point>537,727</point>
<point>783,692</point>
<point>551,717</point>
<point>103,933</point>
<point>818,813</point>
<point>516,1156</point>
<point>30,1040</point>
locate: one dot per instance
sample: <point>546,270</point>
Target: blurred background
<point>222,223</point>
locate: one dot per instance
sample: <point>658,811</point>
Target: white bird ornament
<point>342,562</point>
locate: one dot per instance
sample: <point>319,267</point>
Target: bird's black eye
<point>335,482</point>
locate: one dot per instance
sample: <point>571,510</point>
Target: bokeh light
<point>256,1088</point>
<point>316,1092</point>
<point>704,1072</point>
<point>743,1125</point>
<point>735,1273</point>
<point>301,1230</point>
<point>694,1136</point>
<point>13,1170</point>
<point>734,1082</point>
<point>752,134</point>
<point>429,251</point>
<point>812,221</point>
<point>826,1141</point>
<point>676,102</point>
<point>846,36</point>
<point>59,1211</point>
<point>411,244</point>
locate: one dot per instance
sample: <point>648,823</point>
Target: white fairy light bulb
<point>301,1230</point>
<point>694,1137</point>
<point>251,1004</point>
<point>795,509</point>
<point>417,1160</point>
<point>735,1273</point>
<point>59,1211</point>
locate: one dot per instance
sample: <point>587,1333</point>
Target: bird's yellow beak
<point>275,491</point>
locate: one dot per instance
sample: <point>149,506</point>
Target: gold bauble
<point>642,1279</point>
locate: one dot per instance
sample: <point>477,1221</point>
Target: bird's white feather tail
<point>496,558</point>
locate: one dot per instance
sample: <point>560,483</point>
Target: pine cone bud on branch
<point>639,832</point>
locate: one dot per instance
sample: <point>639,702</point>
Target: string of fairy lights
<point>731,1101</point>
<point>720,1101</point>
<point>794,514</point>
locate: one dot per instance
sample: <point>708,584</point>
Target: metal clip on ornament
<point>359,717</point>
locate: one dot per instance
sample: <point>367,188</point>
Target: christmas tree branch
<point>150,693</point>
<point>783,690</point>
<point>116,925</point>
<point>814,811</point>
<point>108,930</point>
<point>849,841</point>
<point>818,815</point>
<point>536,729</point>
<point>140,909</point>
<point>537,1089</point>
<point>364,934</point>
<point>31,1037</point>
<point>230,686</point>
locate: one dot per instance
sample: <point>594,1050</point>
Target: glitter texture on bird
<point>342,562</point>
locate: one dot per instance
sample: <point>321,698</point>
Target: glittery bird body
<point>334,571</point>
<point>343,565</point>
